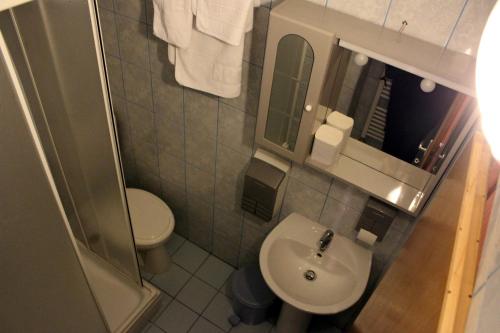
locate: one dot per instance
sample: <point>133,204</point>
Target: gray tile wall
<point>192,149</point>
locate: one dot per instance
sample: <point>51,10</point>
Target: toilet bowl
<point>152,223</point>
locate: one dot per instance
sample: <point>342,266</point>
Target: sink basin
<point>339,274</point>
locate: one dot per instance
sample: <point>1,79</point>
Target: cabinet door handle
<point>424,149</point>
<point>308,108</point>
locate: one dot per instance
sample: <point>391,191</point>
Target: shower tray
<point>124,305</point>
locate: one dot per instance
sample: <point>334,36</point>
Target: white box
<point>343,123</point>
<point>327,141</point>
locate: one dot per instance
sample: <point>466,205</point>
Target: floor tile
<point>204,326</point>
<point>146,276</point>
<point>227,287</point>
<point>264,327</point>
<point>172,280</point>
<point>153,329</point>
<point>174,243</point>
<point>219,311</point>
<point>165,301</point>
<point>214,272</point>
<point>190,256</point>
<point>146,328</point>
<point>196,294</point>
<point>177,318</point>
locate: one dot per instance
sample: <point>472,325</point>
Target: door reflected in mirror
<point>392,113</point>
<point>292,71</point>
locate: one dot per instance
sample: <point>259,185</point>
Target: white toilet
<point>153,223</point>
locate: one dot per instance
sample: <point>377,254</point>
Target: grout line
<point>452,32</point>
<point>123,84</point>
<point>116,12</point>
<point>158,327</point>
<point>324,203</point>
<point>155,122</point>
<point>168,64</point>
<point>284,197</point>
<point>202,263</point>
<point>212,227</point>
<point>241,238</point>
<point>193,276</point>
<point>222,329</point>
<point>178,248</point>
<point>184,121</point>
<point>208,319</point>
<point>194,323</point>
<point>492,273</point>
<point>387,12</point>
<point>307,185</point>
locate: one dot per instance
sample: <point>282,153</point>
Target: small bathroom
<point>249,166</point>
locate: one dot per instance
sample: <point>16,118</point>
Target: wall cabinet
<point>295,67</point>
<point>310,70</point>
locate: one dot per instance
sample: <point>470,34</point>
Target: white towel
<point>172,21</point>
<point>227,20</point>
<point>210,65</point>
<point>212,60</point>
<point>171,54</point>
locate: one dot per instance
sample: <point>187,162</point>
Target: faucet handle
<point>325,239</point>
<point>327,234</point>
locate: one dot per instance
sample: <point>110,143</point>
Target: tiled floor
<point>195,295</point>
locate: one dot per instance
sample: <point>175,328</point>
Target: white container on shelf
<point>327,141</point>
<point>343,123</point>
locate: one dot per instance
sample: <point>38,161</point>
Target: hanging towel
<point>227,20</point>
<point>210,65</point>
<point>172,21</point>
<point>171,54</point>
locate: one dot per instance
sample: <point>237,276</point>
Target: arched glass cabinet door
<point>292,73</point>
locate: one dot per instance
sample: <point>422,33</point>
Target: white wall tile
<point>348,195</point>
<point>341,218</point>
<point>468,31</point>
<point>369,10</point>
<point>430,20</point>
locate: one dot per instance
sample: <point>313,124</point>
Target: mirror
<point>292,71</point>
<point>392,113</point>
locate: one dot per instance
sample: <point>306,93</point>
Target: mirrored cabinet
<point>292,73</point>
<point>412,103</point>
<point>295,67</point>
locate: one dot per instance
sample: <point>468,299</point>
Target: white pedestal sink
<point>336,279</point>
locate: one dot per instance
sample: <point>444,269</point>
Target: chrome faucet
<point>325,240</point>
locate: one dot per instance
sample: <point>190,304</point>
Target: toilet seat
<point>152,220</point>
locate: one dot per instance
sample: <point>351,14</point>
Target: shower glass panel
<point>43,286</point>
<point>65,62</point>
<point>292,71</point>
<point>16,51</point>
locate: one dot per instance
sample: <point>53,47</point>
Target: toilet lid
<point>152,220</point>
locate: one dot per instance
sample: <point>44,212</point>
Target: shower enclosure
<point>66,243</point>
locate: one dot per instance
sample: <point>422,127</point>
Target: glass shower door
<point>60,49</point>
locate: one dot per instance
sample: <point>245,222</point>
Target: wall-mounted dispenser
<point>376,218</point>
<point>264,186</point>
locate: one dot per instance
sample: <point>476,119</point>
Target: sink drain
<point>310,275</point>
